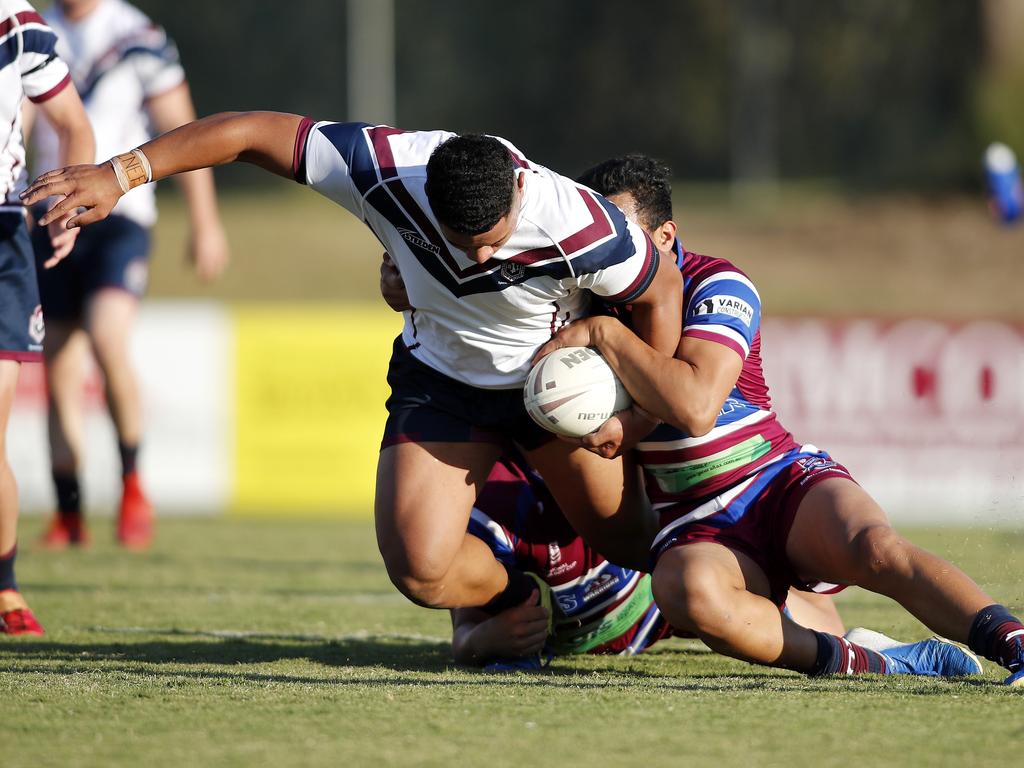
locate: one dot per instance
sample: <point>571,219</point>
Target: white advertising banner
<point>183,353</point>
<point>928,415</point>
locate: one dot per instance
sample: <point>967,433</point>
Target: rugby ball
<point>573,391</point>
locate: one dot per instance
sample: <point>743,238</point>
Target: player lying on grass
<point>497,253</point>
<point>590,605</point>
<point>29,67</point>
<point>748,512</point>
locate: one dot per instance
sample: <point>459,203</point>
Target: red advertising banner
<point>929,415</point>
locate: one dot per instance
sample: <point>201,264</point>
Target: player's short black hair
<point>469,183</point>
<point>645,179</point>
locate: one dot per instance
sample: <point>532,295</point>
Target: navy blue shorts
<point>427,406</point>
<point>21,317</point>
<point>113,253</point>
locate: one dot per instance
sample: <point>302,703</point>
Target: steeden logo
<point>414,238</point>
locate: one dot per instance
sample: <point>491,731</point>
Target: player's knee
<point>419,579</point>
<point>879,551</point>
<point>691,598</point>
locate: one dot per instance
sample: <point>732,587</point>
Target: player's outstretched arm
<point>66,114</point>
<point>266,139</point>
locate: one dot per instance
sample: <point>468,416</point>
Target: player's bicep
<point>269,140</point>
<point>716,367</point>
<point>657,312</point>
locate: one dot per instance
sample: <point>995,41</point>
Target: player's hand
<point>92,187</point>
<point>208,251</point>
<point>620,433</point>
<point>392,286</point>
<point>62,240</point>
<point>582,333</point>
<point>518,631</point>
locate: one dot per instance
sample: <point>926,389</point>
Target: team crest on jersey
<point>413,238</point>
<point>36,326</point>
<point>814,464</point>
<point>512,271</point>
<point>725,305</point>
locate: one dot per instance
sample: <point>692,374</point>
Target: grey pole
<point>371,61</point>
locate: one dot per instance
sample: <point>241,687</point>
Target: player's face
<point>482,247</point>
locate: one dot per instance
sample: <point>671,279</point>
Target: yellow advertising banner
<point>310,385</point>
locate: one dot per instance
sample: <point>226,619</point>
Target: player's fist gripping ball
<point>573,391</point>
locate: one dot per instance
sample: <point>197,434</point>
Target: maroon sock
<point>838,656</point>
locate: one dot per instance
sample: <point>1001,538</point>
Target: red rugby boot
<point>16,618</point>
<point>64,531</point>
<point>135,517</point>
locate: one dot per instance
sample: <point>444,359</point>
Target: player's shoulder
<point>699,269</point>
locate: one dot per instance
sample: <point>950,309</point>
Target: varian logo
<point>413,238</point>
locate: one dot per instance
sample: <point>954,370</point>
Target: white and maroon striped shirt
<point>29,66</point>
<point>478,323</point>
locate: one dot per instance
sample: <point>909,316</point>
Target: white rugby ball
<point>573,391</point>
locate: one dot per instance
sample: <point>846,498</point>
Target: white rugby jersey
<point>29,67</point>
<point>480,324</point>
<point>119,59</point>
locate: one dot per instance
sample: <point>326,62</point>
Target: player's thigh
<point>109,319</point>
<point>602,498</point>
<point>425,492</point>
<point>9,370</point>
<point>827,531</point>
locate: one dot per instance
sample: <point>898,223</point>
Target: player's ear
<point>664,235</point>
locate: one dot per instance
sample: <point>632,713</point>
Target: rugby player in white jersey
<point>130,78</point>
<point>29,67</point>
<point>497,255</point>
<point>749,513</point>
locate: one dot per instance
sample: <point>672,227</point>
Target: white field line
<point>233,634</point>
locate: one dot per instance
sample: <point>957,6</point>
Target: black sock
<point>998,635</point>
<point>7,570</point>
<point>515,593</point>
<point>129,454</point>
<point>69,499</point>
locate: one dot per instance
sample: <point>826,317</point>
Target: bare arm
<point>208,245</point>
<point>658,311</point>
<point>686,390</point>
<point>266,139</point>
<point>66,114</point>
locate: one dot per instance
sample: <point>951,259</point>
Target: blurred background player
<point>501,253</point>
<point>128,73</point>
<point>29,66</point>
<point>747,511</point>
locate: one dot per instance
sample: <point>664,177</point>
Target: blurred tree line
<point>873,92</point>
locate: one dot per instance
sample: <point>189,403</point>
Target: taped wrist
<point>132,169</point>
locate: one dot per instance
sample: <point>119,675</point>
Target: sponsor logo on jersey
<point>36,326</point>
<point>562,568</point>
<point>599,586</point>
<point>413,238</point>
<point>725,305</point>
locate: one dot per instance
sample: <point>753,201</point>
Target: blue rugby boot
<point>936,657</point>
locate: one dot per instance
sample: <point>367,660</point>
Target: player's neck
<point>78,10</point>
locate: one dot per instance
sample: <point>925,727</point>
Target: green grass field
<point>237,642</point>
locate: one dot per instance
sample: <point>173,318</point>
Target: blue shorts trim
<point>427,406</point>
<point>113,253</point>
<point>21,317</point>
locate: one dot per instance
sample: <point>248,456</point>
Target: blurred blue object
<point>1003,172</point>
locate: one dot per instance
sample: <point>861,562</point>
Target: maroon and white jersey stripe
<point>29,67</point>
